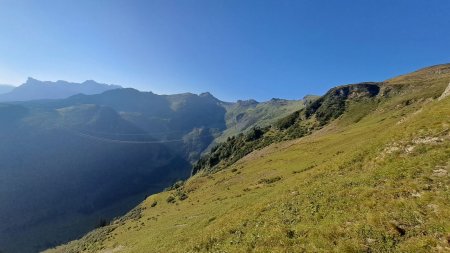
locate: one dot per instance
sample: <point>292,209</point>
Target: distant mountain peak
<point>206,94</point>
<point>34,89</point>
<point>247,102</point>
<point>125,92</point>
<point>31,80</point>
<point>89,81</point>
<point>209,96</point>
<point>277,100</point>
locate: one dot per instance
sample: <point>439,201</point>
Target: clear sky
<point>235,49</point>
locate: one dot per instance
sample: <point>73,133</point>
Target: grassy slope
<point>262,114</point>
<point>377,178</point>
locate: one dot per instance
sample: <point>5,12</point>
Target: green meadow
<point>374,179</point>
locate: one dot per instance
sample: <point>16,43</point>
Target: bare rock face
<point>446,93</point>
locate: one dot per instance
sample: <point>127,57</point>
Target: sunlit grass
<point>342,189</point>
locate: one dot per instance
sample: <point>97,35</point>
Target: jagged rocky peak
<point>366,89</point>
<point>247,102</point>
<point>277,101</point>
<point>31,80</point>
<point>208,95</point>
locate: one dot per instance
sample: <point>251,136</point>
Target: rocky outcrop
<point>446,93</point>
<point>333,103</point>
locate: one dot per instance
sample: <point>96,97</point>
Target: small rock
<point>390,150</point>
<point>409,149</point>
<point>434,207</point>
<point>440,173</point>
<point>446,93</point>
<point>428,140</point>
<point>427,187</point>
<point>416,194</point>
<point>370,240</point>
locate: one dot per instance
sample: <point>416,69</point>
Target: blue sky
<point>234,49</point>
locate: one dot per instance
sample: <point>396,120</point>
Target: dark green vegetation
<point>369,174</point>
<point>313,116</point>
<point>244,115</point>
<point>70,165</point>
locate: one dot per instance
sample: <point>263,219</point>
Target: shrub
<point>170,199</point>
<point>254,134</point>
<point>269,180</point>
<point>182,196</point>
<point>287,121</point>
<point>290,234</point>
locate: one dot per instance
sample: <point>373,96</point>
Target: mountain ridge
<point>369,177</point>
<point>99,154</point>
<point>34,89</point>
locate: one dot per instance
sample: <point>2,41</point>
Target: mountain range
<point>34,89</point>
<point>68,165</point>
<point>363,168</point>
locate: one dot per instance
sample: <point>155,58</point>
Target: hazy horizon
<point>233,49</point>
<point>299,97</point>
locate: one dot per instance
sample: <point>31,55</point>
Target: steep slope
<point>34,89</point>
<point>313,116</point>
<point>162,117</point>
<point>372,177</point>
<point>59,181</point>
<point>89,158</point>
<point>244,115</point>
<point>200,120</point>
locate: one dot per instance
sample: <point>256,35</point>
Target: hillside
<point>369,173</point>
<point>34,89</point>
<point>69,165</point>
<point>59,182</point>
<point>243,115</point>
